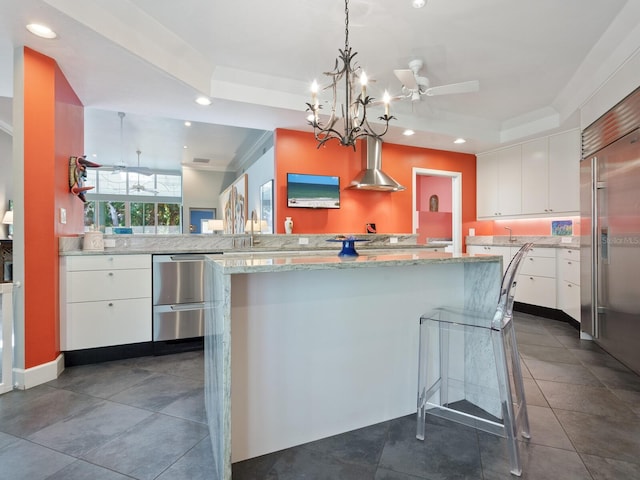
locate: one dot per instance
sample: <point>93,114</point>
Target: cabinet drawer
<point>539,266</point>
<point>569,299</point>
<point>88,286</point>
<point>536,290</point>
<point>102,324</point>
<point>542,252</point>
<point>570,271</point>
<point>570,254</point>
<point>107,262</point>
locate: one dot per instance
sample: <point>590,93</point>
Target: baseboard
<point>551,313</point>
<point>106,354</point>
<point>32,377</point>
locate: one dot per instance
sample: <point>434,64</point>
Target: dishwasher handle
<point>184,258</point>
<point>187,306</point>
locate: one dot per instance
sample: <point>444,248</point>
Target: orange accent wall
<point>296,152</point>
<point>53,130</point>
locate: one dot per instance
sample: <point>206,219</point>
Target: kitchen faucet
<point>511,237</point>
<point>254,219</point>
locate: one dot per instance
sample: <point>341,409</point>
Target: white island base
<point>322,346</point>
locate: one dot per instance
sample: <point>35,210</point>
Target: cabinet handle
<point>110,304</point>
<point>568,263</point>
<point>530,278</point>
<point>569,285</point>
<point>111,274</point>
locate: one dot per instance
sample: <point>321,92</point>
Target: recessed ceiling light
<point>205,101</point>
<point>185,146</point>
<point>41,30</point>
<point>459,140</point>
<point>408,132</point>
<point>187,124</point>
<point>418,3</point>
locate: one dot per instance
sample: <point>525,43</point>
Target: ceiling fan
<point>138,187</point>
<point>122,166</point>
<point>414,86</point>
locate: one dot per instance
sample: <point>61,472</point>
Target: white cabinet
<point>569,282</point>
<point>498,178</point>
<point>539,177</point>
<point>105,300</point>
<point>537,278</point>
<point>535,176</point>
<point>507,253</point>
<point>564,172</point>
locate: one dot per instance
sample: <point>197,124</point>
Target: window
<point>146,203</point>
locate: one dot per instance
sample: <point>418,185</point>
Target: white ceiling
<point>537,63</point>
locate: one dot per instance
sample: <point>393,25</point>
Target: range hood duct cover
<point>372,177</point>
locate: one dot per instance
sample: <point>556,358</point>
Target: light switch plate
<point>63,215</point>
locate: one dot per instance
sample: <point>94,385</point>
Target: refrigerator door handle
<point>595,248</point>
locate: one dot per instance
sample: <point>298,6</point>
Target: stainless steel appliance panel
<point>175,322</point>
<point>611,254</point>
<point>178,279</point>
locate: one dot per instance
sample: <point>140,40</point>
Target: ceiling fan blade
<point>407,78</point>
<point>141,170</point>
<point>462,87</point>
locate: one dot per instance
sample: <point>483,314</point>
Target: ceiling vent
<point>372,177</point>
<point>201,160</point>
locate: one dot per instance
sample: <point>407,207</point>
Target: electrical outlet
<point>393,239</point>
<point>63,215</point>
<point>303,241</point>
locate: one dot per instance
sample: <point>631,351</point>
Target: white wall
<point>260,172</point>
<point>618,86</point>
<point>200,189</point>
<point>6,178</point>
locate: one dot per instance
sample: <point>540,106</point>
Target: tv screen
<point>313,191</point>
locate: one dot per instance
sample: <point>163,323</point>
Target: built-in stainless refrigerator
<point>610,231</point>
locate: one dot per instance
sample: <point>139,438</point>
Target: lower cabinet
<point>569,282</point>
<point>105,300</point>
<point>537,278</point>
<point>549,277</point>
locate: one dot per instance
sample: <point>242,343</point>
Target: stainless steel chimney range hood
<point>372,177</point>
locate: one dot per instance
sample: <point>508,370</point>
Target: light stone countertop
<point>288,261</point>
<point>538,241</point>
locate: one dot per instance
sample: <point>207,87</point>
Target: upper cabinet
<point>548,178</point>
<point>499,179</point>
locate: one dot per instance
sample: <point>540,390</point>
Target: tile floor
<point>144,419</point>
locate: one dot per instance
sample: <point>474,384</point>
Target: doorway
<point>437,206</point>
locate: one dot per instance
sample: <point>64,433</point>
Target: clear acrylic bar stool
<point>469,369</point>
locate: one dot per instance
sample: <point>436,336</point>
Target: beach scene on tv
<point>313,191</point>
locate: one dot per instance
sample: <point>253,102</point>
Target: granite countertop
<point>538,241</point>
<point>288,261</point>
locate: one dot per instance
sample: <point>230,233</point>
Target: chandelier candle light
<point>354,120</point>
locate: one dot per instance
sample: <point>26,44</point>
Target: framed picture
<point>266,205</point>
<point>234,206</point>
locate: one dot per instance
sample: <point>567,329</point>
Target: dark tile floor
<point>144,418</point>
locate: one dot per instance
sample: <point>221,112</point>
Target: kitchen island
<point>299,347</point>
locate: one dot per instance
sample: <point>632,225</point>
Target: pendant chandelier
<point>353,122</point>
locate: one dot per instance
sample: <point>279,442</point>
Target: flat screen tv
<point>313,191</point>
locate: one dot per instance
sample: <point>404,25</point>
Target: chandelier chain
<point>346,24</point>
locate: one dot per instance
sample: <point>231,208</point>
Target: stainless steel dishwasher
<point>178,297</point>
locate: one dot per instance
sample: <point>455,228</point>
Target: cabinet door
<point>535,176</point>
<point>510,181</point>
<point>536,290</point>
<point>564,172</point>
<point>487,185</point>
